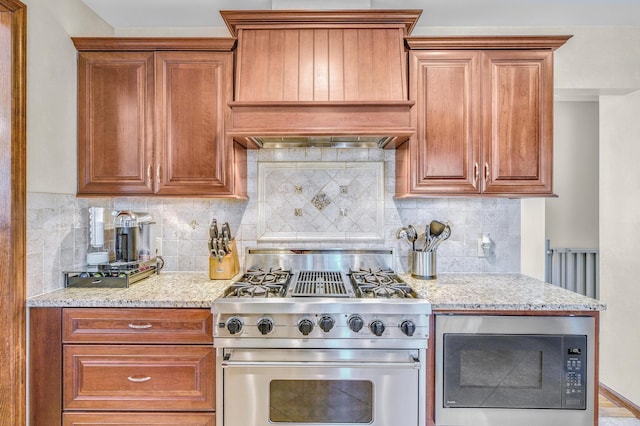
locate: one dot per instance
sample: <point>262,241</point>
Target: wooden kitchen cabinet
<point>146,419</point>
<point>139,377</point>
<point>484,116</point>
<point>90,365</point>
<point>152,116</point>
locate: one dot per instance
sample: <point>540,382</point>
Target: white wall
<point>52,88</point>
<point>572,218</point>
<point>602,59</point>
<point>620,243</point>
<point>532,248</point>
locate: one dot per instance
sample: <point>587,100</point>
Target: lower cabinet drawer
<point>139,377</point>
<point>147,419</point>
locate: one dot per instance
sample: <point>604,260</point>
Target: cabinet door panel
<point>138,377</point>
<point>146,419</point>
<point>115,107</point>
<point>445,86</point>
<point>193,156</point>
<point>321,64</point>
<point>518,113</point>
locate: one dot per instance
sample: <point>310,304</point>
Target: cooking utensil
<point>446,233</point>
<point>427,237</point>
<point>435,228</point>
<point>412,236</point>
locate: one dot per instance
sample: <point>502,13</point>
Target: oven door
<point>322,387</point>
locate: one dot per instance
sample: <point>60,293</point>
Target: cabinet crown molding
<point>93,44</point>
<point>236,19</point>
<point>487,42</point>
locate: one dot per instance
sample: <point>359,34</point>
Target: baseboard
<point>619,400</point>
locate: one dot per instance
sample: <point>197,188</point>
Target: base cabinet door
<point>147,419</point>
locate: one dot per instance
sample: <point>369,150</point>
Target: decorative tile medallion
<point>321,200</point>
<point>342,201</point>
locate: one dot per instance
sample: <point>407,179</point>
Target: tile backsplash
<point>58,224</point>
<point>303,201</point>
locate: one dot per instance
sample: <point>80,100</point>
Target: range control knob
<point>265,326</point>
<point>305,326</point>
<point>408,327</point>
<point>326,323</point>
<point>234,325</point>
<point>377,327</point>
<point>355,323</point>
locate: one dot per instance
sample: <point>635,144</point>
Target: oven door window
<point>503,371</point>
<point>321,401</point>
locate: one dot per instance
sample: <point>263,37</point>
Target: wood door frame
<point>13,26</point>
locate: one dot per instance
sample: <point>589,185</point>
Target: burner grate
<point>319,283</point>
<point>260,283</point>
<point>380,284</point>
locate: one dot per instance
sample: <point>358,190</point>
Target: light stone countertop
<point>448,292</point>
<point>499,292</point>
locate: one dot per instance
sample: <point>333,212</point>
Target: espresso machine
<point>132,237</point>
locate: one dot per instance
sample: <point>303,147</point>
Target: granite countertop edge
<point>449,292</point>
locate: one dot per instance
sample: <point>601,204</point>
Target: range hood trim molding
<point>236,19</point>
<point>392,120</point>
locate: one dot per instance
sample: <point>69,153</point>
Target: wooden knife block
<point>226,268</point>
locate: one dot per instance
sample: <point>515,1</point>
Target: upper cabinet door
<point>518,117</point>
<point>192,91</point>
<point>115,122</point>
<point>445,154</point>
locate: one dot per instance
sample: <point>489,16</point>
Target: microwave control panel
<point>575,370</point>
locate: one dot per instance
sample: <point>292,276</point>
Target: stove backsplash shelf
<point>319,259</point>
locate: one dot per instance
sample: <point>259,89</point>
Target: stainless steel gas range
<point>320,337</point>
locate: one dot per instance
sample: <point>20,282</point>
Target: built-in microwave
<point>514,370</point>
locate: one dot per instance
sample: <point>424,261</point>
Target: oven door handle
<point>339,364</point>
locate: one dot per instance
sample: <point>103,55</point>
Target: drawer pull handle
<point>141,326</point>
<point>138,379</point>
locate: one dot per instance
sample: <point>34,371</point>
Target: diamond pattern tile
<point>328,201</point>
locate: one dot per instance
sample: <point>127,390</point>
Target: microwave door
<point>503,371</point>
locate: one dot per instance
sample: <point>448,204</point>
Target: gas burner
<point>260,283</point>
<point>262,277</point>
<point>381,283</point>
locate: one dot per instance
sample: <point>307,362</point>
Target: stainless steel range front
<point>320,337</point>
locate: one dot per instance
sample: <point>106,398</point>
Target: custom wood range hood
<point>321,78</point>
